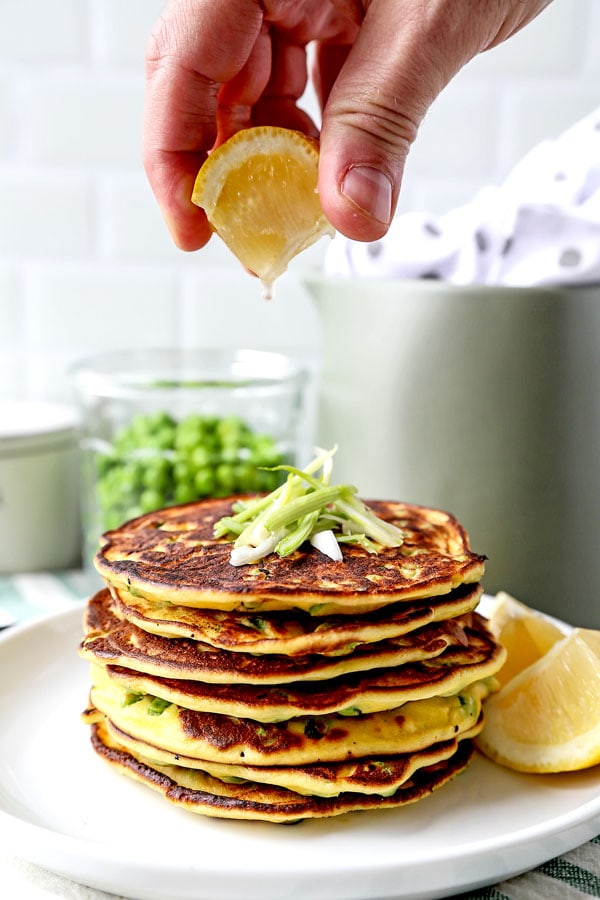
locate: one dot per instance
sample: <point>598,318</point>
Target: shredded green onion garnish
<point>306,507</point>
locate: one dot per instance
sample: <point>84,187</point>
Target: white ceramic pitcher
<point>483,401</point>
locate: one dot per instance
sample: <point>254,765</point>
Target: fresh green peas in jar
<point>156,461</point>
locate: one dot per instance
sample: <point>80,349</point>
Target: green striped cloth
<point>574,876</point>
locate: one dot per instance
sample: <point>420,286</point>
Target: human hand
<point>216,66</point>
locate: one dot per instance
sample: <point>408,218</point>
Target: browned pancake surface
<point>200,793</point>
<point>297,741</point>
<point>295,632</point>
<point>172,555</point>
<point>372,775</point>
<point>379,689</point>
<point>111,640</point>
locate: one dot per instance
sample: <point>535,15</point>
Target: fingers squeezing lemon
<point>546,716</point>
<point>259,193</point>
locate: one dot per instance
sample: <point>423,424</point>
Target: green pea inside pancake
<point>374,775</point>
<point>172,556</point>
<point>110,640</point>
<point>298,741</point>
<point>293,633</point>
<point>353,694</point>
<point>199,792</point>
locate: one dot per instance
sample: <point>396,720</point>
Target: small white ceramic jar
<point>39,487</point>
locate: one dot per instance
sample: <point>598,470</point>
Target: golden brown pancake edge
<point>172,555</point>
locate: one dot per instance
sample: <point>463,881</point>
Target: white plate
<point>62,807</point>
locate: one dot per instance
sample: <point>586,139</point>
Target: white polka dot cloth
<point>540,227</point>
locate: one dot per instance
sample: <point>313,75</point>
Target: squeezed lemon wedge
<point>259,193</point>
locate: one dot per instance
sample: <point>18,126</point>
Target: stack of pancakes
<point>293,688</point>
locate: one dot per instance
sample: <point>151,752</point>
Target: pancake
<point>292,633</point>
<point>112,641</point>
<point>305,739</point>
<point>199,792</point>
<point>296,687</point>
<point>355,694</point>
<point>375,775</point>
<point>172,556</point>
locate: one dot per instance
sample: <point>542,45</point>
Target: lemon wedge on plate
<point>259,193</point>
<point>526,633</point>
<point>547,717</point>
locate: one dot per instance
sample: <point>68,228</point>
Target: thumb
<point>404,55</point>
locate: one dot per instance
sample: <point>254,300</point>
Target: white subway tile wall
<point>86,262</point>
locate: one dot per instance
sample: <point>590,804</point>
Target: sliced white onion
<point>253,537</point>
<point>325,542</point>
<point>244,556</point>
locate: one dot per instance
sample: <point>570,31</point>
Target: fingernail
<point>370,190</point>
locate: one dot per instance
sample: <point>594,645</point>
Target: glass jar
<point>163,427</point>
